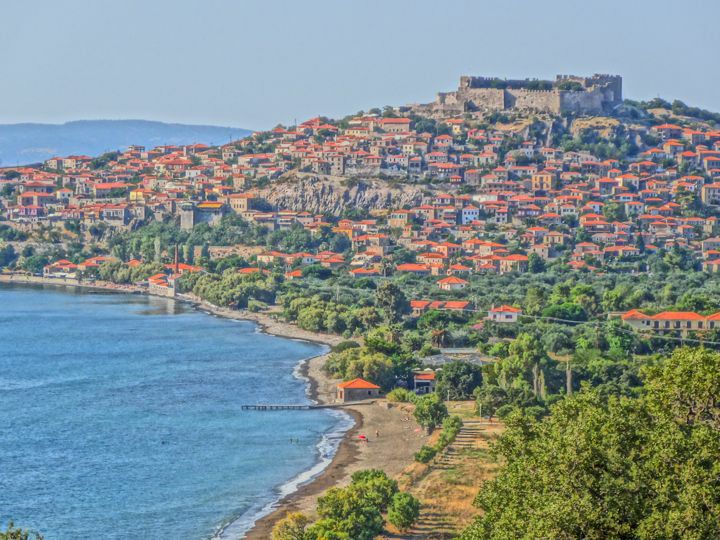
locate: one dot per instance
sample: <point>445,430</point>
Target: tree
<point>391,300</point>
<point>350,511</point>
<point>614,212</point>
<point>614,467</point>
<point>404,511</point>
<point>7,255</point>
<point>291,527</point>
<point>430,411</point>
<point>13,533</point>
<point>458,380</point>
<point>687,386</point>
<point>535,264</point>
<point>489,399</point>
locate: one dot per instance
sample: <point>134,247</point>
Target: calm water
<point>120,418</point>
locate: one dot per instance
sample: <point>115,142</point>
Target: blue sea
<point>120,417</point>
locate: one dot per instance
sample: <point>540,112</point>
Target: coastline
<point>400,439</point>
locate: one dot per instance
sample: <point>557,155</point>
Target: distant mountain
<point>30,143</point>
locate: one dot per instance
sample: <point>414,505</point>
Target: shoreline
<point>308,369</point>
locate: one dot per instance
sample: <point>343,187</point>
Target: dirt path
<point>447,488</point>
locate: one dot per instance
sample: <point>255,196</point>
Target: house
<point>504,314</point>
<point>667,321</point>
<point>424,382</point>
<point>60,269</point>
<point>452,283</point>
<point>357,390</point>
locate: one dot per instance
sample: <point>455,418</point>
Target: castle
<point>568,93</point>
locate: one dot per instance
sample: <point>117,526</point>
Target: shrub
<point>345,345</point>
<point>451,427</point>
<point>401,395</point>
<point>404,510</point>
<point>291,527</point>
<point>425,454</point>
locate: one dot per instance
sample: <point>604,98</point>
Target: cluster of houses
<point>504,198</point>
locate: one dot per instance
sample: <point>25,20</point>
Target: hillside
<point>32,143</point>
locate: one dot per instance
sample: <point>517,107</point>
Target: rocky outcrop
<point>333,196</point>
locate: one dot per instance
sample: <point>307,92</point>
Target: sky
<point>256,63</point>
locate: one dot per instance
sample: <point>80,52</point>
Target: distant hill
<point>30,143</point>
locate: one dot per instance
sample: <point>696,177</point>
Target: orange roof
<point>505,309</point>
<point>678,315</point>
<point>452,280</point>
<point>358,383</point>
<point>634,314</point>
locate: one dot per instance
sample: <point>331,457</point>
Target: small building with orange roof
<point>357,390</point>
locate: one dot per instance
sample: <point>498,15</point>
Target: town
<point>495,197</point>
<point>509,245</point>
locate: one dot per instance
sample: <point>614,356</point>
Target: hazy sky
<point>254,63</point>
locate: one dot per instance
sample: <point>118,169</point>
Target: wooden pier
<point>291,407</point>
<point>276,407</point>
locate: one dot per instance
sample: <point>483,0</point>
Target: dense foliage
<point>354,512</point>
<point>615,467</point>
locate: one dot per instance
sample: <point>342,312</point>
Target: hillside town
<point>496,199</point>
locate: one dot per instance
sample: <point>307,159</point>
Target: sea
<point>120,417</point>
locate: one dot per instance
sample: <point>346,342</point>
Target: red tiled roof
<point>358,383</point>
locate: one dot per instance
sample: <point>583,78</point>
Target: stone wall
<point>481,94</point>
<point>540,100</point>
<point>590,101</point>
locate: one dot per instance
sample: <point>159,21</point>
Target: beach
<point>391,432</point>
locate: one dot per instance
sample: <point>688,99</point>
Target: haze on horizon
<point>255,63</point>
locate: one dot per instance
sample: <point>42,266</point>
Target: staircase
<point>435,523</point>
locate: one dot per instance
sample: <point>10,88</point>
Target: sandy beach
<point>392,434</point>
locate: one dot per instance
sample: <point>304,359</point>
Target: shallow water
<point>120,417</point>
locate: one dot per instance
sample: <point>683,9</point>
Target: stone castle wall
<point>600,92</point>
<point>540,100</point>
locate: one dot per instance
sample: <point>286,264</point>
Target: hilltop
<point>32,143</point>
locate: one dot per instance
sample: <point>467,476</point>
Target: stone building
<point>568,93</point>
<point>209,212</point>
<point>357,390</point>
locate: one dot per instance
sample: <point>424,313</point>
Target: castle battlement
<point>591,95</point>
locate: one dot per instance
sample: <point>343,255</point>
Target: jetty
<point>301,407</point>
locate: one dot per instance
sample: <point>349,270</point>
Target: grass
<point>447,486</point>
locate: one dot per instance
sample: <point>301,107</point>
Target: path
<point>447,491</point>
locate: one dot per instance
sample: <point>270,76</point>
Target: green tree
<point>14,533</point>
<point>535,264</point>
<point>458,380</point>
<point>392,301</point>
<point>430,411</point>
<point>291,527</point>
<point>404,511</point>
<point>614,467</point>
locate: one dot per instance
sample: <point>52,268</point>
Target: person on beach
<point>377,433</point>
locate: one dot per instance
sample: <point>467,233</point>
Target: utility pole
<point>568,378</point>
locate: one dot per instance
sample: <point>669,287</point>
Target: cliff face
<point>320,196</point>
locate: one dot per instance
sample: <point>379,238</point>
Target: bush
<point>451,427</point>
<point>404,511</point>
<point>291,527</point>
<point>425,454</point>
<point>401,395</point>
<point>345,345</point>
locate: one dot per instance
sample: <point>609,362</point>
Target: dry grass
<point>604,125</point>
<point>447,486</point>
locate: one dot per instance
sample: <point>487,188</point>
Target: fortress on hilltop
<point>568,93</point>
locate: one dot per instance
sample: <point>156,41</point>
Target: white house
<point>504,314</point>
